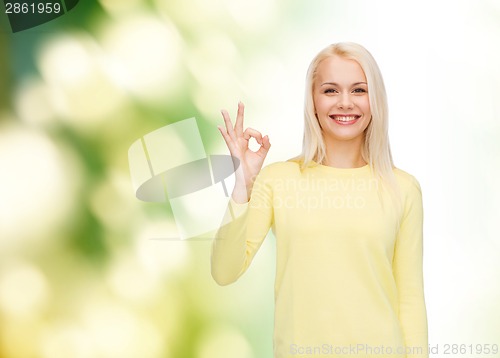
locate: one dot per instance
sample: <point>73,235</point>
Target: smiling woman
<point>349,258</point>
<point>342,108</point>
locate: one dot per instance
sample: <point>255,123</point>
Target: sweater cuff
<point>234,211</point>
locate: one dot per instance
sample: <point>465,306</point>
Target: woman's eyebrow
<point>336,84</point>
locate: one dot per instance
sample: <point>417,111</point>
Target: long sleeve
<point>408,273</point>
<point>242,232</point>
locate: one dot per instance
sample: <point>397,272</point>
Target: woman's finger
<point>225,135</point>
<point>229,124</point>
<point>250,132</point>
<point>227,138</point>
<point>264,148</point>
<point>238,127</point>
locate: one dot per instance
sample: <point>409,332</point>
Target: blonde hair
<point>376,149</point>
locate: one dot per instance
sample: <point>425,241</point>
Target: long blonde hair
<point>376,149</point>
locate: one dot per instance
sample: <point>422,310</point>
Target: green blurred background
<point>81,274</point>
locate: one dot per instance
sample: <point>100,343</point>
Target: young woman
<point>348,223</point>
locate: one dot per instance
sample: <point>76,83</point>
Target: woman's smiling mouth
<point>345,119</point>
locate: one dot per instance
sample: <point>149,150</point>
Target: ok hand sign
<point>250,162</point>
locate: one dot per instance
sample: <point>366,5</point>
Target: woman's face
<point>341,101</point>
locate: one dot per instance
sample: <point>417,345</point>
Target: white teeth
<point>344,118</point>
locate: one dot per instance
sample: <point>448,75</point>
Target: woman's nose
<point>345,101</point>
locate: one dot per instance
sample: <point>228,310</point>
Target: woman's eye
<point>359,90</point>
<point>330,90</point>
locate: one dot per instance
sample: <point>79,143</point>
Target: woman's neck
<point>344,154</point>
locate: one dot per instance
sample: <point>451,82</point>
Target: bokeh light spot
<point>24,289</point>
<point>144,52</point>
<point>81,90</point>
<point>223,342</point>
<point>65,340</point>
<point>32,102</point>
<point>119,333</point>
<point>37,187</point>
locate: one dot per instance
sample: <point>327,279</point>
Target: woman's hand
<point>250,162</point>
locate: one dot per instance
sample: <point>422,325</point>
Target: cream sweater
<point>349,279</point>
